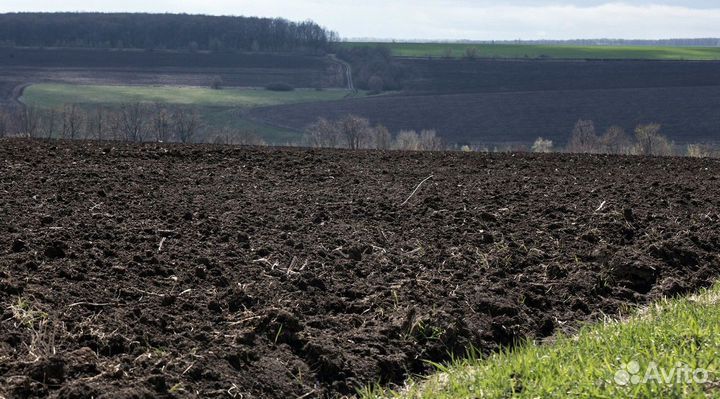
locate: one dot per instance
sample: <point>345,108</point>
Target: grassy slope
<point>552,51</point>
<point>51,95</point>
<point>218,108</point>
<point>585,365</point>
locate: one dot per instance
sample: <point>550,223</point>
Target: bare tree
<point>161,123</point>
<point>650,141</point>
<point>28,121</point>
<point>71,121</point>
<point>615,141</point>
<point>97,124</point>
<point>355,130</point>
<point>583,139</point>
<point>322,134</point>
<point>131,121</point>
<point>187,124</point>
<point>49,123</point>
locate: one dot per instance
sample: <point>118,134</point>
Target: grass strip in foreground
<point>667,350</point>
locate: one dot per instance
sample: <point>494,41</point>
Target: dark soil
<point>687,114</point>
<point>177,271</point>
<point>457,76</point>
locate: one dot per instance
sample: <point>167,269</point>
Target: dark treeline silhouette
<point>162,31</point>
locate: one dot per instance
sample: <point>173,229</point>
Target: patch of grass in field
<point>631,358</point>
<point>457,50</point>
<point>52,95</point>
<point>218,108</point>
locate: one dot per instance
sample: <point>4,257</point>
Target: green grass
<point>668,334</point>
<point>457,50</point>
<point>52,95</point>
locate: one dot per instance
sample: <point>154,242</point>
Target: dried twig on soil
<point>416,189</point>
<point>162,241</point>
<point>306,395</point>
<point>601,206</point>
<point>90,304</point>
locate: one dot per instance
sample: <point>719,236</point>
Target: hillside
<point>453,76</point>
<point>166,67</point>
<point>488,102</point>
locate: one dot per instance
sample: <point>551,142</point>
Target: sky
<point>445,19</point>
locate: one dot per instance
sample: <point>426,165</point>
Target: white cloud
<point>446,19</point>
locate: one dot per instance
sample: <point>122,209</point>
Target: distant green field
<point>457,50</point>
<point>218,108</point>
<point>50,95</point>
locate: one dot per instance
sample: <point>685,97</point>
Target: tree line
<point>356,133</point>
<point>140,122</point>
<point>646,139</point>
<point>131,122</point>
<point>162,31</point>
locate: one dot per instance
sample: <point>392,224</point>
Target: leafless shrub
<point>322,134</point>
<point>542,145</point>
<point>615,141</point>
<point>427,140</point>
<point>407,140</point>
<point>430,141</point>
<point>583,139</point>
<point>699,151</point>
<point>381,138</point>
<point>649,141</point>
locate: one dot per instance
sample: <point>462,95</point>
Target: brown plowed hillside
<point>138,271</point>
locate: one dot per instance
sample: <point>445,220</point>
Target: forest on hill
<point>162,31</point>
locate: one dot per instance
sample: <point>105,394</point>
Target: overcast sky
<point>445,19</point>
